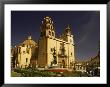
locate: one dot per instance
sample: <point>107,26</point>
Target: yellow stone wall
<point>23,57</point>
<point>45,45</point>
<point>42,60</point>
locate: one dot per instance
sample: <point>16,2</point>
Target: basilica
<point>48,51</point>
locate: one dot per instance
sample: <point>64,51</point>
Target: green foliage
<point>43,73</point>
<point>34,73</point>
<point>15,74</point>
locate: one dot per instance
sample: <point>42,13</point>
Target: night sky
<point>85,26</point>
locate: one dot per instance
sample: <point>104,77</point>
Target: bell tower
<point>68,31</point>
<point>47,36</point>
<point>47,28</point>
<point>67,36</point>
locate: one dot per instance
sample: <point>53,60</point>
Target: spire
<point>68,29</point>
<point>47,19</point>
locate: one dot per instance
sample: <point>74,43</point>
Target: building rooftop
<point>29,41</point>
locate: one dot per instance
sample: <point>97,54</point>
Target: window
<point>26,60</point>
<point>52,33</point>
<point>71,53</point>
<point>23,51</point>
<point>23,45</point>
<point>49,32</point>
<point>62,48</point>
<point>51,49</point>
<point>51,27</point>
<point>19,49</point>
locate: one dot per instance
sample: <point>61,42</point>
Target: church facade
<point>49,51</point>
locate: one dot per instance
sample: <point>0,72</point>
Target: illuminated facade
<point>48,52</point>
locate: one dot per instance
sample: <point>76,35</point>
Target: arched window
<point>23,51</point>
<point>52,33</point>
<point>51,49</point>
<point>49,32</point>
<point>26,60</point>
<point>71,53</point>
<point>23,45</point>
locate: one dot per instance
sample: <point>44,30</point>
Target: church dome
<point>29,41</point>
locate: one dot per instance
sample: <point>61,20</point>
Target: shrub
<point>15,74</point>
